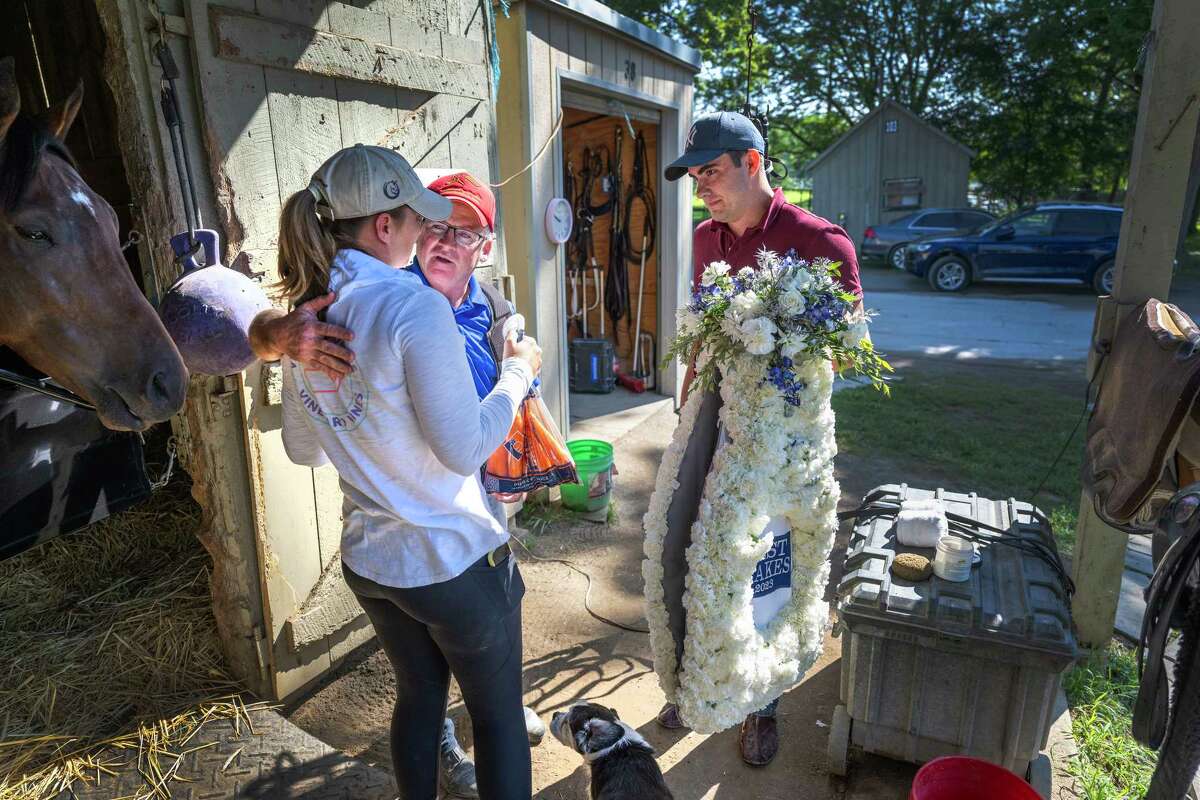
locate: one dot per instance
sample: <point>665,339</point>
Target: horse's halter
<point>43,386</point>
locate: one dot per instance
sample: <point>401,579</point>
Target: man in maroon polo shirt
<point>725,158</point>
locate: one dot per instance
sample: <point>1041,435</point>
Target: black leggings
<point>469,626</point>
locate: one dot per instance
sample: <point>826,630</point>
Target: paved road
<point>987,321</point>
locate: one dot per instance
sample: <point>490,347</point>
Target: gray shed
<point>890,164</point>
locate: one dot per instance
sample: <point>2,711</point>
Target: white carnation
<point>758,335</point>
<point>745,305</point>
<point>713,271</point>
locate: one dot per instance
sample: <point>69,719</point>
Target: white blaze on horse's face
<point>82,199</point>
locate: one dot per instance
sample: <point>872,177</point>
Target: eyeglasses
<point>462,236</point>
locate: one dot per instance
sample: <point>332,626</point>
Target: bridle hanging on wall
<point>639,189</point>
<point>581,249</point>
<point>616,283</point>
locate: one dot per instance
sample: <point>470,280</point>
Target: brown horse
<point>69,305</point>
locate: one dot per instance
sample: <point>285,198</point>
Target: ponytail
<point>306,250</point>
<point>307,246</point>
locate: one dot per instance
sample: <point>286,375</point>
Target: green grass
<point>539,515</point>
<point>973,431</point>
<point>800,197</point>
<point>1101,692</point>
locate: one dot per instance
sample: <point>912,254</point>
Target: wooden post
<point>1164,148</point>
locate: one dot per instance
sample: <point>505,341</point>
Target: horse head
<point>70,306</point>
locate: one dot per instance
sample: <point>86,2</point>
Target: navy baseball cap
<point>714,134</point>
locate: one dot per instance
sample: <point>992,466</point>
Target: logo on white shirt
<point>341,405</point>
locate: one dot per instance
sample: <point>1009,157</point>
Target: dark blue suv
<point>1046,243</point>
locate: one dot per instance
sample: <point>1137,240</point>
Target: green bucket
<point>594,461</point>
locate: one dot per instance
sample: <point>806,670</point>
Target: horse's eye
<point>33,235</point>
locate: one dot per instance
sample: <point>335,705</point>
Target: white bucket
<point>953,559</point>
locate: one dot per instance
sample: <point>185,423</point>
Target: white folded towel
<point>921,523</point>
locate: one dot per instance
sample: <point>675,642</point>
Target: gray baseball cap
<point>363,180</point>
<point>714,134</point>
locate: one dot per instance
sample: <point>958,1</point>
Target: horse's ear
<point>60,117</point>
<point>10,95</point>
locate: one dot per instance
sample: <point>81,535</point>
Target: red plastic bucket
<point>963,778</point>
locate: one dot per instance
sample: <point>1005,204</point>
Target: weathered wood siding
<point>846,185</point>
<point>270,88</point>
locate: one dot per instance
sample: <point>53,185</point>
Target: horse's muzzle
<point>159,398</point>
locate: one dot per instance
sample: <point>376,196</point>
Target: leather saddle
<point>1143,442</point>
<point>1143,435</point>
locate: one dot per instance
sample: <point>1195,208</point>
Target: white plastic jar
<point>953,559</point>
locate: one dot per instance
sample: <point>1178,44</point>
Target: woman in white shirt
<point>406,431</point>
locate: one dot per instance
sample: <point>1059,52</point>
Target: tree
<point>1043,90</point>
<point>1050,102</point>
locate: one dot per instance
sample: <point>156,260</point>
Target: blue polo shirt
<point>474,317</point>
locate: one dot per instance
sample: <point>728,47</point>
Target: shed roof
<point>887,105</point>
<point>600,14</point>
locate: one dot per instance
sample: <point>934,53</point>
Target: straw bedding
<point>107,643</point>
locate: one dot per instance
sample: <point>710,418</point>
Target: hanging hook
<point>619,106</point>
<point>750,48</point>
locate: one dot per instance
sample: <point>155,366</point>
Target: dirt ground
<point>570,656</point>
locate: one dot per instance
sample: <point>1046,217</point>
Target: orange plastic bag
<point>532,456</point>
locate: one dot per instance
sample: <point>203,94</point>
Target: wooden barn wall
<point>286,83</point>
<point>269,89</point>
<point>917,151</point>
<point>847,182</point>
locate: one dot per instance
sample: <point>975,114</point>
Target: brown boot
<point>759,740</point>
<point>668,717</point>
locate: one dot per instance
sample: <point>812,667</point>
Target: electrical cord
<point>1087,402</point>
<point>587,596</point>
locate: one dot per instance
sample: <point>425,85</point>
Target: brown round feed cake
<point>911,567</point>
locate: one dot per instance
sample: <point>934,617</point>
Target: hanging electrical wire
<point>762,121</point>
